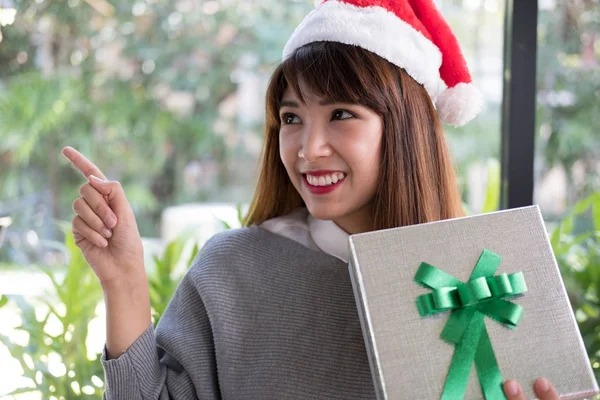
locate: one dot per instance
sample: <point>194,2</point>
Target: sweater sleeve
<point>175,361</point>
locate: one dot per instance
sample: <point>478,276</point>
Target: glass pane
<point>568,113</point>
<point>479,27</point>
<point>567,162</point>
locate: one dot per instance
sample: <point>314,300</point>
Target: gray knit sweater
<point>257,316</point>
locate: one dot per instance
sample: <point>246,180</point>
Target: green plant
<point>240,217</point>
<point>167,275</point>
<point>55,357</point>
<point>576,245</point>
<point>492,192</point>
<point>3,301</point>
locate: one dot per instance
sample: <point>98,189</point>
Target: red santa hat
<point>411,34</point>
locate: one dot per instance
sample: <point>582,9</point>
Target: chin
<point>324,212</point>
<point>321,214</point>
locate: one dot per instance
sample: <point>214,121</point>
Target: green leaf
<point>566,226</point>
<point>156,259</point>
<point>555,239</point>
<point>596,215</point>
<point>226,224</point>
<point>240,214</point>
<point>3,300</point>
<point>492,192</point>
<point>593,347</point>
<point>581,238</point>
<point>583,205</point>
<point>590,311</point>
<point>22,391</point>
<point>194,254</point>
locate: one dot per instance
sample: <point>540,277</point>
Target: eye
<point>288,119</point>
<point>341,115</point>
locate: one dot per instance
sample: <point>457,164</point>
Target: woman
<point>353,143</point>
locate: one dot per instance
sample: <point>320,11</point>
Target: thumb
<point>113,193</point>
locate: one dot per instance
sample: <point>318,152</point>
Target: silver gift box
<point>408,358</point>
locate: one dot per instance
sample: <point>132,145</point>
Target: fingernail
<point>111,221</point>
<point>512,388</point>
<point>543,385</point>
<point>103,242</point>
<point>107,233</point>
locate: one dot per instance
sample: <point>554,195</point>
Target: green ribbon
<point>469,303</point>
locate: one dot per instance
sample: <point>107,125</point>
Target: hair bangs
<point>341,74</point>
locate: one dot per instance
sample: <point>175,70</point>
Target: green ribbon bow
<point>469,303</point>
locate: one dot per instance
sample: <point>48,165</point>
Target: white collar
<point>329,237</point>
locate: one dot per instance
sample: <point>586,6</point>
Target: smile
<point>325,180</point>
<point>323,183</point>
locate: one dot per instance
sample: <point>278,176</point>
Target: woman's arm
<point>175,361</point>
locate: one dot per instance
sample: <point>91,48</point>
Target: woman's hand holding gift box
<point>543,390</point>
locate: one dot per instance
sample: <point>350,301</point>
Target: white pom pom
<point>459,104</point>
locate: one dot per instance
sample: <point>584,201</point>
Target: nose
<point>315,143</point>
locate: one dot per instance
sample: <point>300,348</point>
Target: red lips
<point>320,190</point>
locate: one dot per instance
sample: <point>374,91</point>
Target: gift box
<point>451,309</point>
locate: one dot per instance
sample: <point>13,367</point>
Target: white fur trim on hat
<point>375,29</point>
<point>459,104</point>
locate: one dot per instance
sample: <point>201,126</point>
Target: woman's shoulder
<point>243,238</point>
<point>234,256</point>
<point>232,246</point>
<point>226,250</point>
<point>232,241</point>
<point>291,226</point>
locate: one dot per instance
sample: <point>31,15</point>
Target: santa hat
<point>411,34</point>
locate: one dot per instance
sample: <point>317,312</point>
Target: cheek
<point>367,161</point>
<point>367,152</point>
<point>376,150</point>
<point>287,152</point>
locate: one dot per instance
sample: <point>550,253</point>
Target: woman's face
<point>332,154</point>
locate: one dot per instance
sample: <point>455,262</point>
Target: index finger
<point>85,166</point>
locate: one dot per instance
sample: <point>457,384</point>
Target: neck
<point>358,222</point>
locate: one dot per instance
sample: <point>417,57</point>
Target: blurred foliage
<point>568,85</point>
<point>169,269</point>
<point>576,245</point>
<point>240,211</point>
<point>575,242</point>
<point>7,17</point>
<point>56,357</point>
<point>491,200</point>
<point>143,89</point>
<point>492,194</point>
<point>138,87</point>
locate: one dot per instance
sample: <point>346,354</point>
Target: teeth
<point>325,180</point>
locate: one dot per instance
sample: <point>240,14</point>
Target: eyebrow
<point>294,104</point>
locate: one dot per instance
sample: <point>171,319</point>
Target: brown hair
<point>417,182</point>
